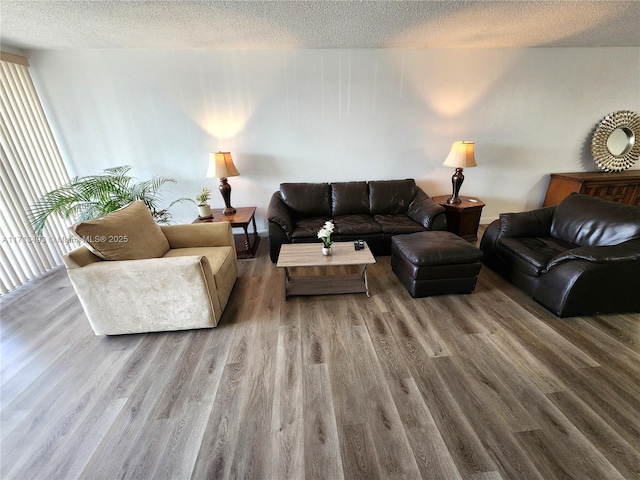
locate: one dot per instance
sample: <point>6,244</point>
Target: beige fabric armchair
<point>187,287</point>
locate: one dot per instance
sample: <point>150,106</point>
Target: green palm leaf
<point>84,198</point>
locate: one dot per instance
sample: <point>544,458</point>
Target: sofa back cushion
<point>129,233</point>
<point>590,221</point>
<point>349,198</point>
<point>391,196</point>
<point>534,223</point>
<point>307,199</point>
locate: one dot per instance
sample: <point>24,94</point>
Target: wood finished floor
<point>481,386</point>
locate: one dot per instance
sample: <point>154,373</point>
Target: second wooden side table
<point>242,218</point>
<point>463,218</point>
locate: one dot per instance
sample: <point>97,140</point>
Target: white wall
<point>336,115</point>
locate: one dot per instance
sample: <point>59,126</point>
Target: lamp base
<point>225,191</point>
<point>456,182</point>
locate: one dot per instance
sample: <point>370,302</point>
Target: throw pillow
<point>129,233</point>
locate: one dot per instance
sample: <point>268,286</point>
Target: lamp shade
<point>461,155</point>
<point>221,165</point>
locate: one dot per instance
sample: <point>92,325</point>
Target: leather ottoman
<point>435,263</point>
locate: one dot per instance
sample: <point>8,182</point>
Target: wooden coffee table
<point>310,255</point>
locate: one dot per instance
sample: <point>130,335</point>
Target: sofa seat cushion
<point>356,225</point>
<point>397,223</point>
<point>530,255</point>
<point>222,275</point>
<point>129,233</point>
<point>308,227</point>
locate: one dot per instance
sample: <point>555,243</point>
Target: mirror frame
<point>624,119</point>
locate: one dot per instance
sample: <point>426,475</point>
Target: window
<point>31,166</point>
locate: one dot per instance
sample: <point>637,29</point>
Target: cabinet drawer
<point>613,193</point>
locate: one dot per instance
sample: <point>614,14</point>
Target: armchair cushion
<point>531,255</point>
<point>588,221</point>
<point>535,223</point>
<point>129,233</point>
<point>197,235</point>
<point>623,252</point>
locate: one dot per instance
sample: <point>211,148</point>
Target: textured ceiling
<point>174,24</point>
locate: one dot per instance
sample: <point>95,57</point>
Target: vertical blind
<point>31,166</point>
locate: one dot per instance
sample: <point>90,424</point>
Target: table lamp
<point>221,166</point>
<point>461,156</point>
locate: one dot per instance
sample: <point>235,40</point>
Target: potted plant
<point>202,199</point>
<point>85,198</point>
<point>324,234</point>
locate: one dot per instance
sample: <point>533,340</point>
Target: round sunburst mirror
<point>615,145</point>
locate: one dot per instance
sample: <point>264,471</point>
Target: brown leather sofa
<point>372,211</point>
<point>581,256</point>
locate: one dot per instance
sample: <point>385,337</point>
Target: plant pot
<point>326,251</point>
<point>204,211</point>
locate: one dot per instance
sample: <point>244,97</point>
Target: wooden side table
<point>463,219</point>
<point>241,219</point>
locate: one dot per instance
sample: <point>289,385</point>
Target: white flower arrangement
<point>325,232</point>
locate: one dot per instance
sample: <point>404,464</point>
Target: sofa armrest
<point>129,296</point>
<point>424,210</point>
<point>623,252</point>
<point>279,213</point>
<point>534,223</point>
<point>488,244</point>
<point>217,234</point>
<point>583,287</point>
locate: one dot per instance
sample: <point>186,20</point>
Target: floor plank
<point>482,386</point>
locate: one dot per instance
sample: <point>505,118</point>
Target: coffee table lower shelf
<point>345,257</point>
<point>326,285</point>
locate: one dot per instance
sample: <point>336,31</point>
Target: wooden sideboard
<point>622,187</point>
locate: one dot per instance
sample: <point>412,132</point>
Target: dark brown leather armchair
<point>581,256</point>
<point>372,211</point>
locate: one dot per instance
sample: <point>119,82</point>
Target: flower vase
<point>326,251</point>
